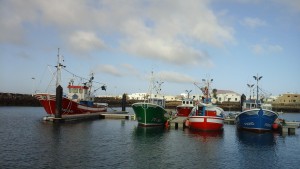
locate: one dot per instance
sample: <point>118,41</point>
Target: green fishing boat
<point>152,111</point>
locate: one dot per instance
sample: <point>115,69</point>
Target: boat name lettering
<point>155,120</point>
<point>67,110</point>
<point>249,124</point>
<point>267,125</point>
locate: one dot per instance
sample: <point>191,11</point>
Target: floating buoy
<point>275,126</point>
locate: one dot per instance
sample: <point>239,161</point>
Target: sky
<point>122,42</point>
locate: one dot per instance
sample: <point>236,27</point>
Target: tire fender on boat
<point>187,122</point>
<point>167,124</point>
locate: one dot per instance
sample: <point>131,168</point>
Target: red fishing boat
<point>206,116</point>
<point>79,99</point>
<point>185,108</point>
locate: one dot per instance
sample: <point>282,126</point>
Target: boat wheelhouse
<point>185,108</point>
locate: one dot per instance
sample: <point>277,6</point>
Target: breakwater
<point>15,99</point>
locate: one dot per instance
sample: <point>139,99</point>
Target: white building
<point>170,98</point>
<point>271,99</point>
<point>228,96</point>
<point>137,96</point>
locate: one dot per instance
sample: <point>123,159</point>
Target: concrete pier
<point>178,123</point>
<point>229,121</point>
<point>289,129</point>
<point>118,116</point>
<point>101,115</point>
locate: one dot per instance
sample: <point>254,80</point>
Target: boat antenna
<point>188,92</point>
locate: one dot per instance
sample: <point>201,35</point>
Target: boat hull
<point>256,120</point>
<point>206,123</point>
<point>69,107</point>
<point>148,114</point>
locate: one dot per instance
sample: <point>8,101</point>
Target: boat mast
<point>58,69</point>
<point>206,88</point>
<point>151,87</point>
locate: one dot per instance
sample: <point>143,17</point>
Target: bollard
<point>124,102</point>
<point>58,104</point>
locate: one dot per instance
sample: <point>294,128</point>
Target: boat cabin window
<point>158,102</point>
<point>183,102</point>
<point>72,90</point>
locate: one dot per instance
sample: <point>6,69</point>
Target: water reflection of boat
<point>255,139</point>
<point>206,135</point>
<point>148,131</point>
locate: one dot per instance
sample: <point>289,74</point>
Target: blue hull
<point>256,119</point>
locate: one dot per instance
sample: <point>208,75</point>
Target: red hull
<point>183,111</point>
<point>69,107</point>
<point>206,123</point>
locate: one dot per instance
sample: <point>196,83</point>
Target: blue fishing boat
<point>255,115</point>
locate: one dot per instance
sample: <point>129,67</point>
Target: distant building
<point>288,98</point>
<point>271,99</point>
<point>228,96</point>
<point>170,98</point>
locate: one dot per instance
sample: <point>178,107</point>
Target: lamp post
<point>257,78</point>
<point>250,86</point>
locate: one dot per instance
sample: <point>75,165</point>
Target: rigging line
<point>81,77</point>
<point>264,91</point>
<point>41,79</point>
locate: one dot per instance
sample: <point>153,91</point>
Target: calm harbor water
<point>29,142</point>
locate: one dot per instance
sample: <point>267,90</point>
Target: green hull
<point>149,114</point>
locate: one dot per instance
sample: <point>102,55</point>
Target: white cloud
<point>171,51</point>
<point>266,49</point>
<point>291,4</point>
<point>85,41</point>
<point>168,30</point>
<point>108,69</point>
<point>175,77</point>
<point>253,22</point>
<point>132,71</point>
